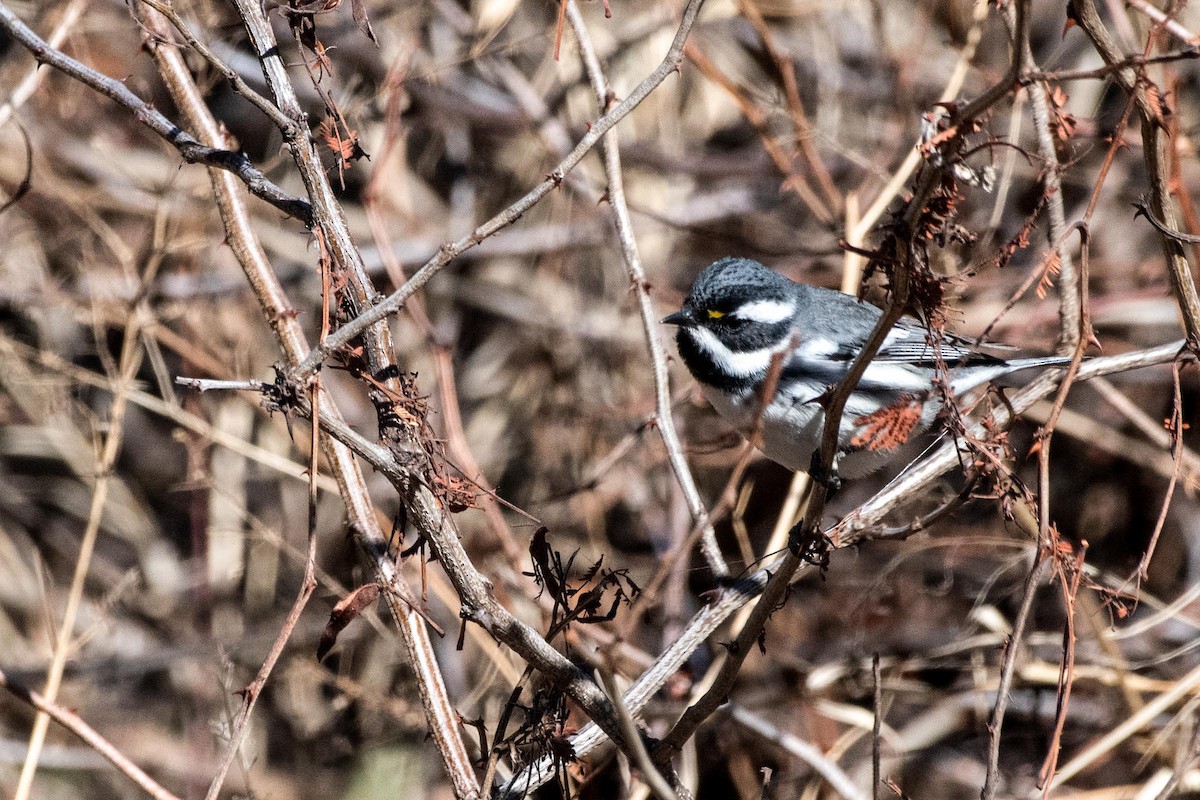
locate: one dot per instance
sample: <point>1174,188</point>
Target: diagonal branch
<point>854,528</point>
<point>425,510</point>
<point>450,250</point>
<point>1154,154</point>
<point>351,483</point>
<point>72,722</point>
<point>191,150</point>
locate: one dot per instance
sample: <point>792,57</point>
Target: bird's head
<point>736,317</point>
<point>740,305</point>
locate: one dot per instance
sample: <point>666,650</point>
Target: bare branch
<point>191,150</point>
<point>641,289</point>
<point>449,251</point>
<point>75,724</point>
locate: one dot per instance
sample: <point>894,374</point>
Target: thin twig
<point>72,722</point>
<point>650,774</point>
<point>1068,294</point>
<point>425,510</point>
<point>876,771</point>
<point>212,385</point>
<point>611,155</point>
<point>858,524</point>
<point>450,250</point>
<point>1070,574</point>
<point>130,361</point>
<point>279,313</point>
<point>285,124</point>
<point>1007,668</point>
<point>1169,23</point>
<point>189,149</point>
<point>253,690</point>
<point>1132,60</point>
<point>853,528</point>
<point>1176,427</point>
<point>1153,153</point>
<point>25,89</point>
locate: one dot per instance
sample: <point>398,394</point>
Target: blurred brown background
<point>462,109</point>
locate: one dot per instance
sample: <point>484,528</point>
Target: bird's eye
<point>715,314</point>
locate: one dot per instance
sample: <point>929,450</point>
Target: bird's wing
<point>908,343</point>
<point>911,343</point>
<point>838,325</point>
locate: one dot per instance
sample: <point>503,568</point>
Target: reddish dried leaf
<point>889,427</point>
<point>1053,265</point>
<point>359,10</point>
<point>1158,104</point>
<point>455,492</point>
<point>343,614</point>
<point>1072,18</point>
<point>346,147</point>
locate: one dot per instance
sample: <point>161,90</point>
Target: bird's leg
<point>810,544</point>
<point>826,477</point>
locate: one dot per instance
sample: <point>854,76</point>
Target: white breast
<point>792,426</point>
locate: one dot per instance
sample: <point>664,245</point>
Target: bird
<point>741,317</point>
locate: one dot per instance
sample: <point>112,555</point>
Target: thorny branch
<point>404,455</point>
<point>1154,142</point>
<point>853,529</point>
<point>191,150</point>
<point>637,277</point>
<point>424,509</point>
<point>450,250</point>
<point>277,309</point>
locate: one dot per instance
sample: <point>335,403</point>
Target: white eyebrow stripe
<point>765,311</point>
<point>736,365</point>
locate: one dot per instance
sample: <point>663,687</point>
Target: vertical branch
<point>1007,669</point>
<point>278,311</point>
<point>425,510</point>
<point>1068,294</point>
<point>641,287</point>
<point>1154,153</point>
<point>130,362</point>
<point>876,728</point>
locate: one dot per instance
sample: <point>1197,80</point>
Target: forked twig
<point>450,250</point>
<point>189,148</point>
<point>641,288</point>
<point>277,309</point>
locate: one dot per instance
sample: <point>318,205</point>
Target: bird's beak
<point>682,317</point>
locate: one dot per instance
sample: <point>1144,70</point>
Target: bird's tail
<point>969,379</point>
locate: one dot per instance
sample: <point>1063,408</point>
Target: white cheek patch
<point>767,312</point>
<point>737,365</point>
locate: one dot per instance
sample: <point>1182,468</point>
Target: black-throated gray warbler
<point>739,316</point>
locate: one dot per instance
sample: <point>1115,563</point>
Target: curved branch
<point>451,250</point>
<point>189,149</point>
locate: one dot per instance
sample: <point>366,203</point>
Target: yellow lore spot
<point>714,314</point>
